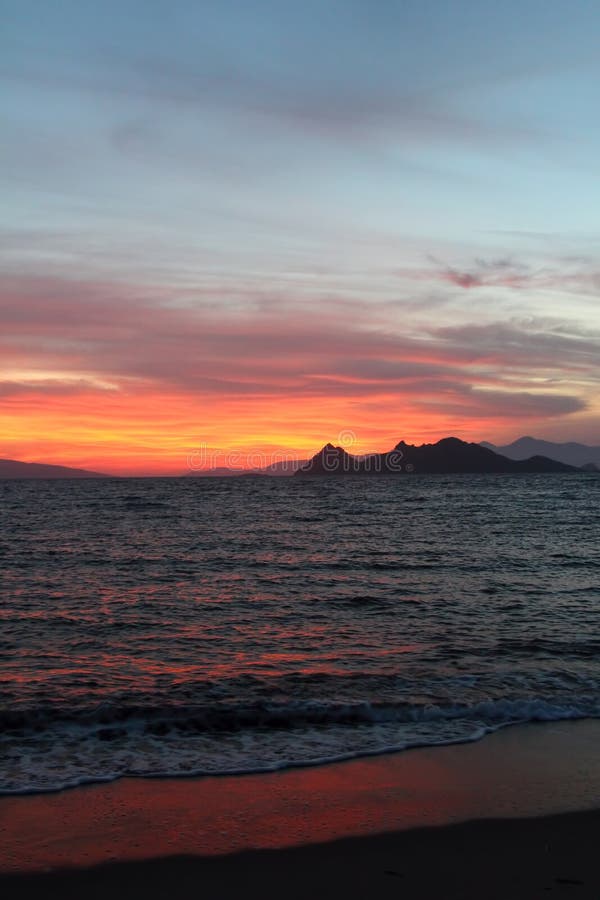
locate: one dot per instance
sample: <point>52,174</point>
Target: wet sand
<point>384,826</point>
<point>520,859</point>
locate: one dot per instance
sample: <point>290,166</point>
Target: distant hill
<point>12,468</point>
<point>571,453</point>
<point>217,472</point>
<point>448,456</point>
<point>281,469</point>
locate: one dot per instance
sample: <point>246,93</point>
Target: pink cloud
<point>141,341</point>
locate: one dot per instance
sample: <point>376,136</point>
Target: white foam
<point>63,757</point>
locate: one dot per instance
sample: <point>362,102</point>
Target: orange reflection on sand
<point>135,819</point>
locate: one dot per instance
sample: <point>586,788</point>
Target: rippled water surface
<point>156,626</point>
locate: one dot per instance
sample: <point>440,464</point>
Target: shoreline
<point>536,770</point>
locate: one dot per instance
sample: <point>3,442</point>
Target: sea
<point>211,626</point>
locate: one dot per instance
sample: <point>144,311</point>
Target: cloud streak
<point>577,275</point>
<point>122,331</point>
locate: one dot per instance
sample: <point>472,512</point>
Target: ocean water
<point>204,626</point>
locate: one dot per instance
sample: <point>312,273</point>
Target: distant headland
<point>13,468</point>
<point>580,455</point>
<point>447,456</point>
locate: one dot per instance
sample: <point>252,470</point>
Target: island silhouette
<point>448,456</point>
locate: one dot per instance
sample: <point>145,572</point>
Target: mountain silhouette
<point>13,468</point>
<point>571,453</point>
<point>448,456</point>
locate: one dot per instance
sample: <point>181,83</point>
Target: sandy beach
<point>514,815</point>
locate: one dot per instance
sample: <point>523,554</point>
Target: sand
<point>441,822</point>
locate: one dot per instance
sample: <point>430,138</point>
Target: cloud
<point>530,345</point>
<point>578,275</point>
<point>53,387</point>
<point>125,335</point>
<point>511,405</point>
<point>279,92</point>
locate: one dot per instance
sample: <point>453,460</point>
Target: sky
<point>251,226</point>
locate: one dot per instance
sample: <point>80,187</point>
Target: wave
<point>104,745</point>
<point>294,714</point>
